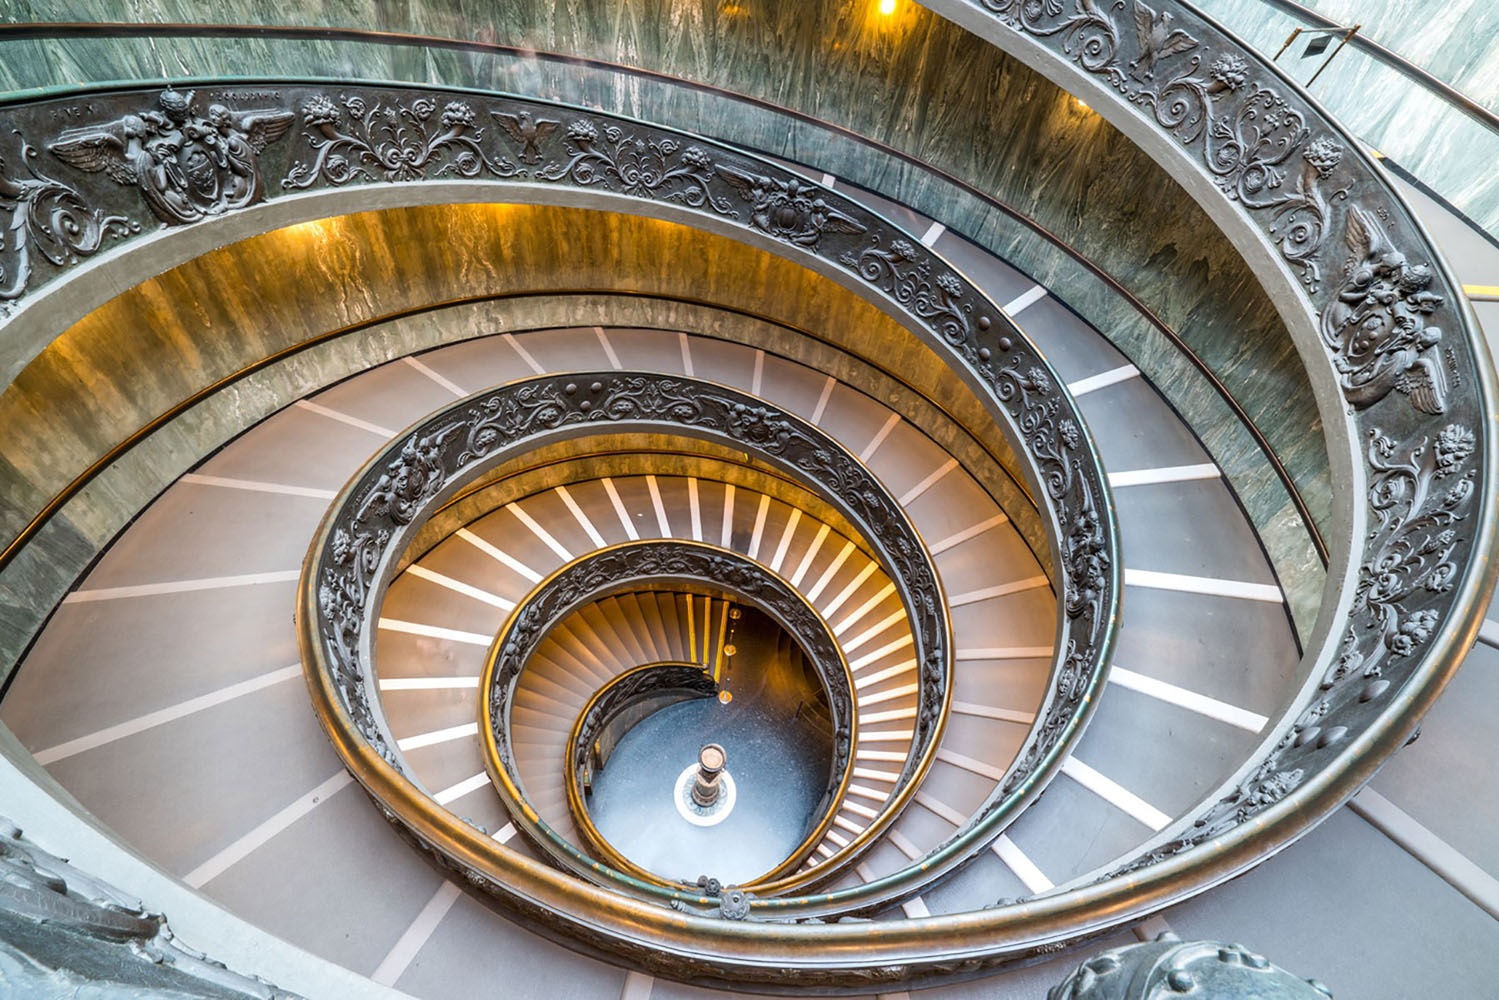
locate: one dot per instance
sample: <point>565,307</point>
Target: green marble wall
<point>156,344</point>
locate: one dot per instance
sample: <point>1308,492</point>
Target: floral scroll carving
<point>1418,496</point>
<point>48,218</point>
<point>906,274</point>
<point>637,164</point>
<point>392,141</point>
<point>1251,134</point>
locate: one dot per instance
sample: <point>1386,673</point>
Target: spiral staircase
<point>1056,518</point>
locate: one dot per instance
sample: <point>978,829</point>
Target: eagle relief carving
<point>187,165</point>
<point>1158,39</point>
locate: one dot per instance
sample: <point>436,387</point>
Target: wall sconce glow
<point>887,7</point>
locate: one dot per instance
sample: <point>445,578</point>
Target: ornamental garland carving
<point>1255,142</point>
<point>1418,496</point>
<point>1379,307</point>
<point>353,138</point>
<point>635,163</point>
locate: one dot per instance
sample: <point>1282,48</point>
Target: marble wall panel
<point>1456,41</point>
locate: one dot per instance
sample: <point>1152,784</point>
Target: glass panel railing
<point>1445,141</point>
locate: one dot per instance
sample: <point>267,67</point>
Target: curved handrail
<point>784,212</point>
<point>361,537</point>
<point>657,685</point>
<point>633,566</point>
<point>1422,589</point>
<point>388,498</point>
<point>1416,587</point>
<point>349,140</point>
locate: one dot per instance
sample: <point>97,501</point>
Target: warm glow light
<point>887,7</point>
<point>309,229</point>
<point>1081,103</point>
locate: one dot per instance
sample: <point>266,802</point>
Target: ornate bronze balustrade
<point>289,137</point>
<point>392,140</point>
<point>1386,328</point>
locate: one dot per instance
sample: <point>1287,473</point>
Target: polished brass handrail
<point>724,187</point>
<point>446,441</point>
<point>1275,808</point>
<point>1361,708</point>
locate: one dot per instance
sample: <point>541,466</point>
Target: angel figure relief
<point>187,166</point>
<point>1376,324</point>
<point>789,210</point>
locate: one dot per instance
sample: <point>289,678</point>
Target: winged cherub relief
<point>188,166</point>
<point>1376,325</point>
<point>789,210</point>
